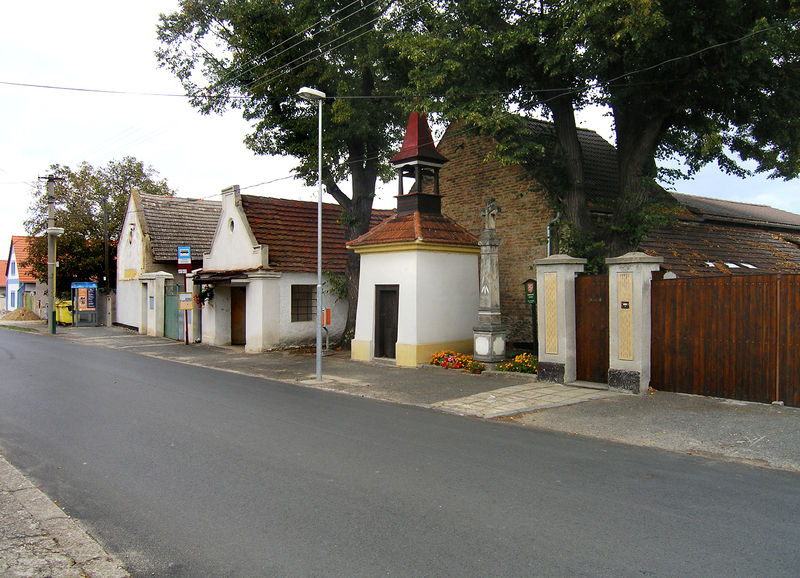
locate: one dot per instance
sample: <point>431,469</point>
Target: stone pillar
<point>155,301</point>
<point>263,311</point>
<point>196,317</point>
<point>629,323</point>
<point>489,336</point>
<point>555,299</point>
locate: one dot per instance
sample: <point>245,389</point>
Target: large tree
<point>717,80</point>
<point>255,55</point>
<point>90,205</point>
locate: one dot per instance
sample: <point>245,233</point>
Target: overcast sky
<point>109,45</point>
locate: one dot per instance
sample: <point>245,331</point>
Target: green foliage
<point>337,285</point>
<point>713,81</point>
<point>80,198</point>
<point>205,295</point>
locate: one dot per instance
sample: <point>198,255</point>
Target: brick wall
<point>465,182</point>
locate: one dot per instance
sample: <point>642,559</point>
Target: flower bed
<point>452,360</point>
<point>522,363</point>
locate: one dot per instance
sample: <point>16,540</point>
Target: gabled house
<point>22,288</point>
<point>147,259</point>
<point>262,269</point>
<point>710,236</point>
<point>3,267</point>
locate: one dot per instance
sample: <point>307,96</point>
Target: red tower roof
<point>418,143</point>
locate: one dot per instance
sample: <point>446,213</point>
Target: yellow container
<point>64,312</point>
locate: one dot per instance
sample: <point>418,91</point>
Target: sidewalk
<point>757,434</point>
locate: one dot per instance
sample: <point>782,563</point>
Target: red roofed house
<point>262,267</point>
<point>21,285</point>
<point>3,266</point>
<point>418,287</point>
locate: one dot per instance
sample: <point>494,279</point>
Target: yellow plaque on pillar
<point>625,315</point>
<point>551,313</point>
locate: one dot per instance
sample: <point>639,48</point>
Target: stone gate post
<point>629,323</point>
<point>555,288</point>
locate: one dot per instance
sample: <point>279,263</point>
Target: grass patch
<point>17,328</point>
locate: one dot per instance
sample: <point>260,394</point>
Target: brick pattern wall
<point>465,183</point>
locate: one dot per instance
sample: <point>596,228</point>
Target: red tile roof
<point>416,226</point>
<point>3,267</point>
<point>20,245</point>
<point>289,229</point>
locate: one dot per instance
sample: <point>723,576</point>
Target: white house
<point>22,289</point>
<point>147,259</point>
<point>262,268</point>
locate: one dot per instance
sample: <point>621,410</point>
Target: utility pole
<point>105,240</point>
<point>52,234</point>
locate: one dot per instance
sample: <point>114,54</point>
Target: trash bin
<point>64,312</point>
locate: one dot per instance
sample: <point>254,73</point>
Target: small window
<point>732,266</point>
<point>710,264</point>
<point>304,301</point>
<point>13,269</point>
<point>749,266</point>
<point>13,297</point>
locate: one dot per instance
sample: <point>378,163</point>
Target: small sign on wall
<point>185,302</point>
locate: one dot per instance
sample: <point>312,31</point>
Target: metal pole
<point>51,255</point>
<point>319,248</point>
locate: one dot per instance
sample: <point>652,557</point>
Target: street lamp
<point>312,94</point>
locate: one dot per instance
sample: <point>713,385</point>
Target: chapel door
<point>238,316</point>
<point>386,305</point>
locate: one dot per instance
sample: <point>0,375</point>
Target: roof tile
<point>289,229</point>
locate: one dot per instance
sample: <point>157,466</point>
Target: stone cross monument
<point>489,334</point>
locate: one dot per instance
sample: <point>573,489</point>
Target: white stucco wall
<point>234,247</point>
<point>438,295</point>
<point>304,332</point>
<point>12,283</point>
<point>130,264</point>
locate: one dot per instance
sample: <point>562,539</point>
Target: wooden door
<point>591,325</point>
<point>238,316</point>
<point>386,305</point>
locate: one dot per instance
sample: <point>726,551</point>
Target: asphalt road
<point>182,470</point>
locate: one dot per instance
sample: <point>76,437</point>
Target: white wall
<point>12,283</point>
<point>304,332</point>
<point>130,264</point>
<point>234,247</point>
<point>438,295</point>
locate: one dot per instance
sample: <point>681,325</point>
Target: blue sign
<point>184,255</point>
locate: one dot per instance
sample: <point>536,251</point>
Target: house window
<point>304,301</point>
<point>13,297</point>
<point>13,267</point>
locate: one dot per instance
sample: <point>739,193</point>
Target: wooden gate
<point>171,313</point>
<point>591,325</point>
<point>733,337</point>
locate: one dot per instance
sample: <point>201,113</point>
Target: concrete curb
<point>38,539</point>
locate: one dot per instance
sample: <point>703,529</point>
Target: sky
<point>110,46</point>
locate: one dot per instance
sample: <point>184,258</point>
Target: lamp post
<point>312,94</point>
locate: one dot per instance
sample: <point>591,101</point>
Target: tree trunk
<point>574,200</point>
<point>357,214</point>
<point>637,138</point>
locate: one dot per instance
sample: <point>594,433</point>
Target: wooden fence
<point>735,337</point>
